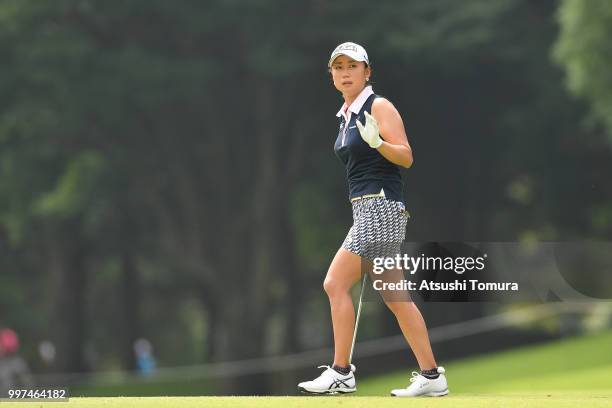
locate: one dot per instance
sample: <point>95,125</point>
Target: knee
<point>333,287</point>
<point>329,286</point>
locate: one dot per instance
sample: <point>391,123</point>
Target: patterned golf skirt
<point>379,228</point>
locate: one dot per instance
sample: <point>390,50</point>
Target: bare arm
<point>395,146</point>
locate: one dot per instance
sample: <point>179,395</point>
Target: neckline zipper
<point>346,126</point>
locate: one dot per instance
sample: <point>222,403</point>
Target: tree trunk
<point>67,265</point>
<point>131,309</point>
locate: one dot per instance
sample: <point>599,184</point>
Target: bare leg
<point>410,321</point>
<point>343,273</point>
<point>413,327</point>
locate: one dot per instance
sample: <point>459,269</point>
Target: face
<point>349,76</point>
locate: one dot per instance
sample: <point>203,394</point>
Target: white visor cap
<point>350,49</point>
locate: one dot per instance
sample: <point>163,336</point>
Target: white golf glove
<point>370,132</point>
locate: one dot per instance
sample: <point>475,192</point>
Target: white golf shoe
<point>423,386</point>
<point>330,382</point>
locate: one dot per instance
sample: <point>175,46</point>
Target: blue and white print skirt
<point>379,228</point>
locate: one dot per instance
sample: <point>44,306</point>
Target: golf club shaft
<point>363,281</point>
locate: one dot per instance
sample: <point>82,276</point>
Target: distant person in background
<point>372,144</point>
<point>46,351</point>
<point>14,372</point>
<point>145,361</point>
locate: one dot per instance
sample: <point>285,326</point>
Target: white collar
<point>358,102</point>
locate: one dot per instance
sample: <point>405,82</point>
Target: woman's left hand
<point>370,133</point>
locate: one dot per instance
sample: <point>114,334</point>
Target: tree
<point>584,49</point>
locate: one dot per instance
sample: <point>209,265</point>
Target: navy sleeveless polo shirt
<point>367,171</point>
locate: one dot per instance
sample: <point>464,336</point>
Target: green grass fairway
<point>558,400</point>
<point>570,373</point>
<point>577,364</point>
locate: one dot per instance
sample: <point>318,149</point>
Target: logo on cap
<point>346,47</point>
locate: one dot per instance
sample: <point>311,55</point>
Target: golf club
<point>363,281</point>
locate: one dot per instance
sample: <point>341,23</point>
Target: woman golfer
<point>372,144</point>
